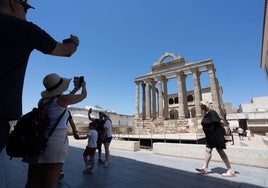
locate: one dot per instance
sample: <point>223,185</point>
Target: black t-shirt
<point>18,39</point>
<point>100,126</point>
<point>210,120</point>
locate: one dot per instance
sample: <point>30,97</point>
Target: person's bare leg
<point>92,156</point>
<point>85,160</point>
<point>33,176</point>
<point>49,174</point>
<point>204,168</point>
<point>232,139</point>
<point>107,151</point>
<point>99,150</point>
<point>208,154</point>
<point>224,157</point>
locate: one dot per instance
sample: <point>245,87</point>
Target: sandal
<point>229,173</point>
<point>202,170</point>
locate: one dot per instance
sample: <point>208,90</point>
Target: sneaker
<point>105,164</point>
<point>89,172</point>
<point>100,161</point>
<point>61,176</point>
<point>86,169</point>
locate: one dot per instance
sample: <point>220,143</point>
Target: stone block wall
<point>147,127</point>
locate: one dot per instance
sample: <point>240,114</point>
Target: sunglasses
<point>25,5</point>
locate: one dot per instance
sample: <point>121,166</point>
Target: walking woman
<point>211,124</point>
<point>43,171</point>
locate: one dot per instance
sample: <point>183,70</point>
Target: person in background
<point>44,170</point>
<point>228,131</point>
<point>240,133</point>
<point>100,129</point>
<point>19,38</point>
<point>71,122</point>
<point>107,138</point>
<point>92,136</point>
<point>248,134</point>
<point>211,122</point>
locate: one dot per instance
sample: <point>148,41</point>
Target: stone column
<point>221,104</point>
<point>166,110</point>
<point>185,102</point>
<point>197,91</point>
<point>137,101</point>
<point>147,100</point>
<point>153,99</point>
<point>143,100</point>
<point>214,89</point>
<point>160,98</point>
<point>181,82</point>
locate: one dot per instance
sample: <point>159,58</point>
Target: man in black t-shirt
<point>18,39</point>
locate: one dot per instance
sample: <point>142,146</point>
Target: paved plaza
<point>142,168</point>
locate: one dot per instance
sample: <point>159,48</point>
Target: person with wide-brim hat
<point>55,85</point>
<point>45,170</point>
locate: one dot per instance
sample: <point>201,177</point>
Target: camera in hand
<point>78,81</point>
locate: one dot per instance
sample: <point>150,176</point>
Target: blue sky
<point>121,39</point>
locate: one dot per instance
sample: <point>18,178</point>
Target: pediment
<point>177,62</point>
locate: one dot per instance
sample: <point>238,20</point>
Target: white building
<point>80,117</point>
<point>252,116</point>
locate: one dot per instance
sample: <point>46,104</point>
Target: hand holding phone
<point>78,81</point>
<point>73,39</point>
<point>66,41</point>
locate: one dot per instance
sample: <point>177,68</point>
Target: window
<point>170,101</point>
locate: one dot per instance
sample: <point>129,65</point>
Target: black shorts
<point>89,152</point>
<point>107,139</point>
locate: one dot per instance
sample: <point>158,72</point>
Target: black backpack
<point>28,138</point>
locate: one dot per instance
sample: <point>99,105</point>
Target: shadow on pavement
<point>122,173</point>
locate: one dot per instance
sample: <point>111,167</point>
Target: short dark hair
<point>93,124</point>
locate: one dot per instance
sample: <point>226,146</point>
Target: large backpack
<point>28,138</point>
